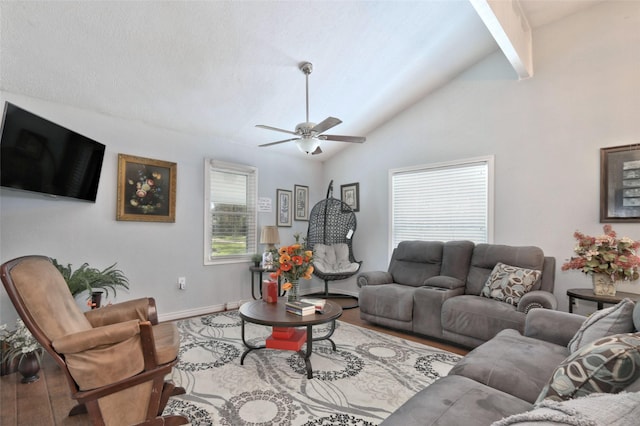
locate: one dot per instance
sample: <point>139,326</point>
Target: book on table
<point>319,303</point>
<point>300,308</point>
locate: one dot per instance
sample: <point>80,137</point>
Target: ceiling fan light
<point>308,145</point>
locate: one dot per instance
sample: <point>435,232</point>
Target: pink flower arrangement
<point>606,254</point>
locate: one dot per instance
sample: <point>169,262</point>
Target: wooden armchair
<point>115,358</point>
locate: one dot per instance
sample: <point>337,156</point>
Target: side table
<point>258,270</point>
<point>587,294</point>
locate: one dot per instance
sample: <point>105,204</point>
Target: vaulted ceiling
<point>218,68</point>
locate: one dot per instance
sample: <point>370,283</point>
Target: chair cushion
<point>333,259</point>
<point>167,340</point>
<point>607,365</point>
<point>509,283</point>
<point>614,320</point>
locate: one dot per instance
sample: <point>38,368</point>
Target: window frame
<point>252,234</point>
<point>488,160</point>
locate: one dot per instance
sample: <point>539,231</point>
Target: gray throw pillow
<point>614,320</point>
<point>509,283</point>
<point>606,365</point>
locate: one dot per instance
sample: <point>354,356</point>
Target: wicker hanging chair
<point>332,222</point>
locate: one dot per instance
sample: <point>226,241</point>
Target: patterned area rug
<point>369,376</point>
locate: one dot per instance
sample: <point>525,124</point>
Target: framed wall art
<point>350,194</point>
<point>301,202</point>
<point>620,184</point>
<point>283,207</point>
<point>146,189</point>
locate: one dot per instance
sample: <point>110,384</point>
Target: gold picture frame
<point>146,189</point>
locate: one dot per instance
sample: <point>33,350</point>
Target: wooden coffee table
<point>275,315</point>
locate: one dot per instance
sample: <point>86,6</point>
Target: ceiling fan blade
<point>339,138</point>
<point>326,124</point>
<point>262,126</point>
<point>317,151</point>
<point>277,142</point>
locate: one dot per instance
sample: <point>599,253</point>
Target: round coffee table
<point>285,335</point>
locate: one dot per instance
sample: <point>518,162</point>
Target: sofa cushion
<point>607,365</point>
<point>512,363</point>
<point>392,301</point>
<point>509,283</point>
<point>413,262</point>
<point>486,256</point>
<point>456,400</point>
<point>614,320</point>
<point>596,409</point>
<point>479,317</point>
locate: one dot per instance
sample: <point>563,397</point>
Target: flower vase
<point>28,367</point>
<point>292,293</point>
<point>603,285</point>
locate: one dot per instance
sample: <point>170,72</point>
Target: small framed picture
<point>301,202</point>
<point>620,184</point>
<point>350,195</point>
<point>146,189</point>
<point>283,207</point>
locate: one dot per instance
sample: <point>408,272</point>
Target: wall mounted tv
<point>40,156</point>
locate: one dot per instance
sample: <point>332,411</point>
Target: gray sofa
<point>433,289</point>
<point>508,374</point>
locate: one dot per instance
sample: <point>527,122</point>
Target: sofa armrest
<point>94,337</point>
<point>442,281</point>
<point>143,309</point>
<point>552,326</point>
<point>537,299</point>
<point>374,278</point>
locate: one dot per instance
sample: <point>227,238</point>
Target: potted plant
<point>256,259</point>
<point>92,280</point>
<point>21,346</point>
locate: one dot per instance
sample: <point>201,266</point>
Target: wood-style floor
<point>47,401</point>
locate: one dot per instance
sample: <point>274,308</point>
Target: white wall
<point>545,133</point>
<point>152,255</point>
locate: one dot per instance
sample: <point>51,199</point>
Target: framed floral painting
<point>301,201</point>
<point>350,195</point>
<point>283,207</point>
<point>146,189</point>
<point>620,184</point>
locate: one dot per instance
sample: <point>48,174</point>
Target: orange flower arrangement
<point>294,262</point>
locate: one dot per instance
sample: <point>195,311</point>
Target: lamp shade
<point>269,235</point>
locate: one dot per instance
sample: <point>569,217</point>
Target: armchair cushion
<point>142,309</point>
<point>94,337</point>
<point>613,320</point>
<point>509,283</point>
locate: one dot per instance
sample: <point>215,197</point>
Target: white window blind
<point>442,202</point>
<point>230,212</point>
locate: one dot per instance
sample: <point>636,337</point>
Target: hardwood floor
<point>47,401</point>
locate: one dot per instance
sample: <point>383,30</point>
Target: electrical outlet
<point>182,283</point>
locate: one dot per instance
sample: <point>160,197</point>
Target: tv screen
<point>40,156</point>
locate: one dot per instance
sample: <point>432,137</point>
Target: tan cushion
<point>167,340</point>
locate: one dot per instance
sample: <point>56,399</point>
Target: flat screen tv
<point>40,156</point>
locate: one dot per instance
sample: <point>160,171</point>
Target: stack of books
<point>319,303</point>
<point>300,308</point>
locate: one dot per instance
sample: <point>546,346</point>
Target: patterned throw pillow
<point>607,365</point>
<point>509,283</point>
<point>614,320</point>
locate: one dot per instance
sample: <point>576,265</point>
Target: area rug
<point>367,378</point>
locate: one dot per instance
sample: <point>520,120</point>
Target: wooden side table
<point>587,294</point>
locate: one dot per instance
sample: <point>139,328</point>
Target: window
<point>230,220</point>
<point>442,202</point>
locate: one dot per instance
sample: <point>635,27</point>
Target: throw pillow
<point>614,320</point>
<point>509,283</point>
<point>609,365</point>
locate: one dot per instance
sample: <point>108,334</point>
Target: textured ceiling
<point>218,68</point>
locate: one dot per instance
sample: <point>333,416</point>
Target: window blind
<point>441,203</point>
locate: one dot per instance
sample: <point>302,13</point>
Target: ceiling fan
<point>308,135</point>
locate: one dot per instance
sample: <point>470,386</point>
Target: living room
<point>545,133</point>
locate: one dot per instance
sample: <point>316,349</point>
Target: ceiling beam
<point>509,27</point>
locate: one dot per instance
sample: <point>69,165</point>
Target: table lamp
<point>270,237</point>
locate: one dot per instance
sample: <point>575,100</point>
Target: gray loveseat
<point>578,376</point>
<point>433,289</point>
